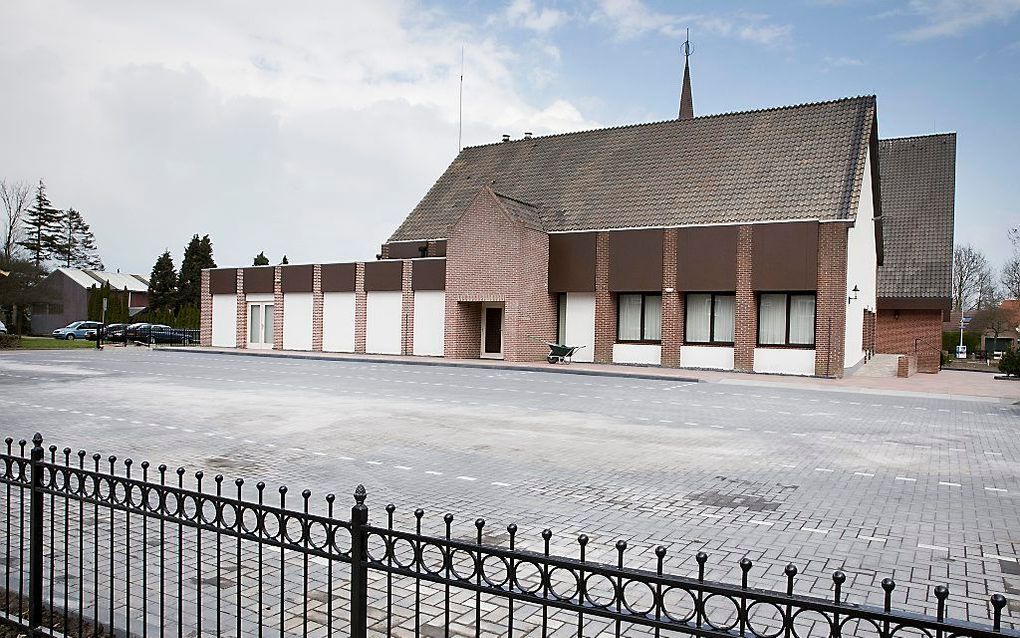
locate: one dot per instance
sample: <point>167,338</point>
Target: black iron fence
<point>97,547</point>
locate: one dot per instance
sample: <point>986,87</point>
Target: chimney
<point>506,138</point>
<point>527,135</point>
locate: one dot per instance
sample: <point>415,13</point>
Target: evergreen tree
<point>284,262</point>
<point>261,259</point>
<point>197,256</point>
<point>42,227</point>
<point>76,246</point>
<point>163,283</point>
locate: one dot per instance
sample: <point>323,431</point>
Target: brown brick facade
<point>492,257</point>
<point>672,311</point>
<point>205,334</point>
<point>360,309</point>
<point>897,331</point>
<point>241,333</point>
<point>605,303</point>
<point>831,300</point>
<point>407,309</point>
<point>745,329</point>
<point>277,308</point>
<point>317,308</point>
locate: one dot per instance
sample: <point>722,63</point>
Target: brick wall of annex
<point>407,309</point>
<point>317,308</point>
<point>360,309</point>
<point>831,302</point>
<point>605,303</point>
<point>745,327</point>
<point>493,258</point>
<point>205,335</point>
<point>241,329</point>
<point>672,304</point>
<point>896,330</point>
<point>278,308</point>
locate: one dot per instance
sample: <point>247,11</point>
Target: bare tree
<point>972,279</point>
<point>1011,269</point>
<point>14,196</point>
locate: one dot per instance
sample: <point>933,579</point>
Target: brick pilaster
<point>360,309</point>
<point>746,320</point>
<point>672,333</point>
<point>241,333</point>
<point>317,308</point>
<point>205,335</point>
<point>407,309</point>
<point>605,303</point>
<point>831,300</point>
<point>278,308</point>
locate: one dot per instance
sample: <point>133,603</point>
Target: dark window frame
<point>786,337</point>
<point>711,322</point>
<point>644,296</point>
<point>561,315</point>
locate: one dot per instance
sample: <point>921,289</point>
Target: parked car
<point>77,330</point>
<point>135,330</point>
<point>166,334</point>
<point>3,328</point>
<point>114,331</point>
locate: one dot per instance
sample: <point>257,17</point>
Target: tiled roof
<point>918,192</point>
<point>528,214</point>
<point>795,162</point>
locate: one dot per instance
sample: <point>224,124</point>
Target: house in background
<point>65,292</point>
<point>747,241</point>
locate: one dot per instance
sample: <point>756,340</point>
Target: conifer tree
<point>261,259</point>
<point>76,245</point>
<point>42,227</point>
<point>284,262</point>
<point>197,256</point>
<point>163,283</point>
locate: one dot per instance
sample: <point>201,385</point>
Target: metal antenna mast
<point>460,103</point>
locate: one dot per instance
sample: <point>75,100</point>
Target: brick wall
<point>896,330</point>
<point>317,308</point>
<point>746,316</point>
<point>605,303</point>
<point>277,308</point>
<point>493,258</point>
<point>205,335</point>
<point>242,312</point>
<point>407,309</point>
<point>906,365</point>
<point>831,302</point>
<point>672,310</point>
<point>360,309</point>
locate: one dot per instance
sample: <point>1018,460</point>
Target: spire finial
<point>686,101</point>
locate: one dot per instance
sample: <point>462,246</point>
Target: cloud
<point>941,18</point>
<point>841,61</point>
<point>308,133</point>
<point>524,14</point>
<point>632,18</point>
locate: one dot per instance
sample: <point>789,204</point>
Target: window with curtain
<point>639,317</point>
<point>561,318</point>
<point>709,318</point>
<point>786,319</point>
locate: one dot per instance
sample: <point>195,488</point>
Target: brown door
<point>493,330</point>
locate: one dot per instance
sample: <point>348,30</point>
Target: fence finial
<point>37,439</point>
<point>360,494</point>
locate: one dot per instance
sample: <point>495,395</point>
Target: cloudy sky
<point>311,128</point>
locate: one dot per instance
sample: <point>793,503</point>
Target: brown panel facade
<point>297,278</point>
<point>428,274</point>
<point>338,277</point>
<point>707,259</point>
<point>785,256</point>
<point>404,249</point>
<point>223,281</point>
<point>635,260</point>
<point>383,275</point>
<point>259,279</point>
<point>572,262</point>
<point>916,303</point>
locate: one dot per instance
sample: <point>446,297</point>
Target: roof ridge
<point>514,199</point>
<point>917,137</point>
<point>674,120</point>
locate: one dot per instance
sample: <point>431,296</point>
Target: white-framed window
<point>709,318</point>
<point>639,317</point>
<point>786,319</point>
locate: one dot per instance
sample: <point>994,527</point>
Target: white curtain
<point>653,317</point>
<point>772,320</point>
<point>630,318</point>
<point>802,319</point>
<point>561,329</point>
<point>725,309</point>
<point>699,318</point>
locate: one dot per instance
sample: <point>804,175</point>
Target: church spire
<point>686,102</point>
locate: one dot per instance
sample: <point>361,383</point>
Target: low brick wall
<point>906,366</point>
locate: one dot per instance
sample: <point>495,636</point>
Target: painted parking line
<point>936,548</point>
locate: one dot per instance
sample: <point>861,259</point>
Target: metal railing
<point>140,552</point>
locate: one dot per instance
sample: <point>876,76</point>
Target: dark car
<point>166,334</point>
<point>114,331</point>
<point>136,330</point>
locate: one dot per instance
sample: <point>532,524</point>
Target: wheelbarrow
<point>560,353</point>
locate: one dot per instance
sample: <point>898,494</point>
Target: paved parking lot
<point>923,490</point>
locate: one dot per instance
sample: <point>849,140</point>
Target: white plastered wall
<point>382,331</point>
<point>712,357</point>
<point>580,328</point>
<point>297,321</point>
<point>799,361</point>
<point>638,353</point>
<point>338,321</point>
<point>224,321</point>
<point>861,271</point>
<point>429,322</point>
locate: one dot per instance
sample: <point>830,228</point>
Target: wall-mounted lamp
<point>854,298</point>
<point>669,290</point>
